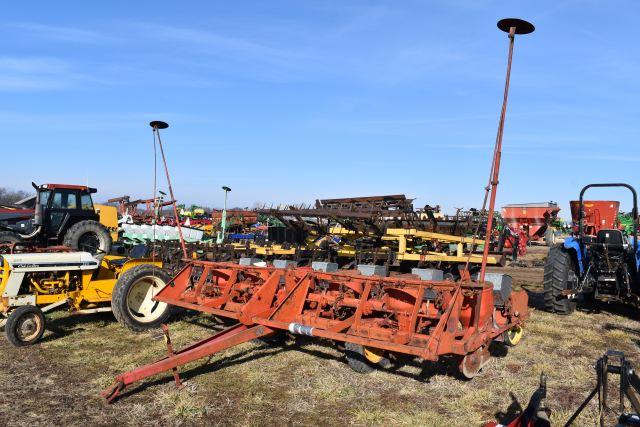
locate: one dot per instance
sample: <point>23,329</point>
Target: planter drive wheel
<point>472,363</point>
<point>513,336</point>
<point>132,299</point>
<point>25,325</point>
<point>365,360</point>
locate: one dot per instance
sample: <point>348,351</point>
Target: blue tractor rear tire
<point>559,276</point>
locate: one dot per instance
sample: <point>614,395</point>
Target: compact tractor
<point>599,262</point>
<point>38,281</point>
<point>57,215</point>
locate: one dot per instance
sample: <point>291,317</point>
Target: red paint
<point>531,219</point>
<point>404,315</point>
<point>598,215</point>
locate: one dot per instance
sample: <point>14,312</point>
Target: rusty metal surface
<point>145,215</point>
<point>374,215</point>
<point>404,315</point>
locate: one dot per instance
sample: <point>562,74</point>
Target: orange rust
<point>406,316</point>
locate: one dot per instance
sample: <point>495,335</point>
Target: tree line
<point>9,196</point>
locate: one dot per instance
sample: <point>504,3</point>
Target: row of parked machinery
<point>58,251</point>
<point>598,262</point>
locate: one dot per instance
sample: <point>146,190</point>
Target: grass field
<point>303,383</point>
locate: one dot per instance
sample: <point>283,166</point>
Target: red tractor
<point>58,214</point>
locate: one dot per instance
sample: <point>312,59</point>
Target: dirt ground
<point>307,382</point>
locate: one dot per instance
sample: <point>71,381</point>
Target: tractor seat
<point>612,239</point>
<point>118,262</point>
<point>138,251</point>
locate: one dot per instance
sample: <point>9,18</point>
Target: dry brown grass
<point>304,383</point>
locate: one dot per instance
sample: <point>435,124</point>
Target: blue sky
<point>288,101</point>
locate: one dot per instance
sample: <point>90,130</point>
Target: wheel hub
<point>28,327</point>
<point>140,302</point>
<point>515,334</point>
<point>373,355</point>
<point>89,242</point>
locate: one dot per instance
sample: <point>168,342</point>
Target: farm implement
<point>377,318</point>
<point>531,222</point>
<point>382,230</point>
<point>612,363</point>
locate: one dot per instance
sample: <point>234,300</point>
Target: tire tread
<point>556,271</point>
<point>119,297</point>
<point>9,327</point>
<point>356,359</point>
<point>74,232</point>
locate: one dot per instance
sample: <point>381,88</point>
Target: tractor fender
<point>130,263</point>
<point>572,244</point>
<point>637,254</point>
<point>64,227</point>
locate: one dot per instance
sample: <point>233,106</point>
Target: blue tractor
<point>600,267</point>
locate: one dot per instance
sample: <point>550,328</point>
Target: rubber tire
<point>508,341</point>
<point>550,236</point>
<point>12,321</point>
<point>557,267</point>
<point>356,359</point>
<point>9,237</point>
<point>121,290</point>
<point>75,232</point>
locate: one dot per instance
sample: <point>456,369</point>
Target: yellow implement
<point>109,218</point>
<point>405,244</point>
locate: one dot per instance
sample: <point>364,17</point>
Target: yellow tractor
<point>35,283</point>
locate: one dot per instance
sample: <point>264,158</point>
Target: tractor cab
<point>63,206</point>
<point>58,214</point>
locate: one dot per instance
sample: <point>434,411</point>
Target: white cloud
<point>63,34</point>
<point>608,157</point>
<point>32,65</point>
<point>17,83</point>
<point>34,73</point>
